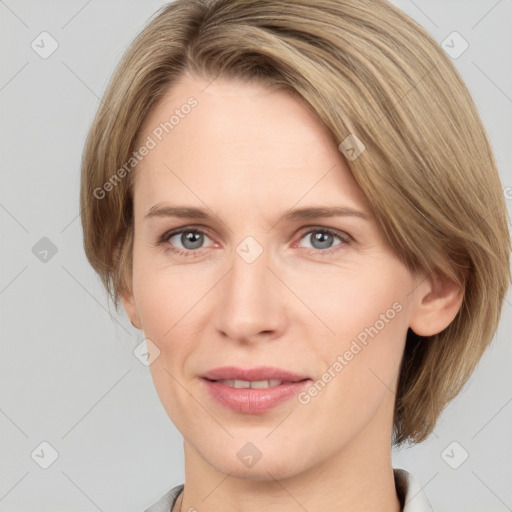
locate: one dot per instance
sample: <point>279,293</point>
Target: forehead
<point>242,139</point>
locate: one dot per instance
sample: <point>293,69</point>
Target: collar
<point>410,493</point>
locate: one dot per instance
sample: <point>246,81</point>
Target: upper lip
<point>253,374</point>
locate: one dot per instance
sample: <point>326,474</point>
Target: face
<point>240,280</point>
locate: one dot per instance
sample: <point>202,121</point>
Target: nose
<point>250,299</point>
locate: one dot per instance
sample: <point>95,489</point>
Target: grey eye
<point>189,239</point>
<point>321,239</point>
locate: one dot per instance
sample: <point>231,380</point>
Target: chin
<point>275,465</point>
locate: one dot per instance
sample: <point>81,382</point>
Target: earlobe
<point>436,303</point>
<point>130,307</point>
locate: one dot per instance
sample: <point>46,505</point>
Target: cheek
<point>167,299</point>
<point>364,303</point>
<point>164,304</point>
<point>164,295</point>
<point>368,314</point>
<point>361,366</point>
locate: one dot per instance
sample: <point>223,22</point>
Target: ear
<point>130,307</point>
<point>437,301</point>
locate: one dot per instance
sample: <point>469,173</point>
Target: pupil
<point>324,240</point>
<point>193,239</point>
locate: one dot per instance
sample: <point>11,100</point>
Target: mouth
<point>258,374</point>
<point>253,390</point>
<point>254,384</point>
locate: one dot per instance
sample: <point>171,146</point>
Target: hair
<point>367,70</point>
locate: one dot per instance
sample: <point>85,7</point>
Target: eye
<point>185,241</point>
<point>188,241</point>
<point>321,240</point>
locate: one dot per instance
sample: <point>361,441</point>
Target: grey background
<point>68,374</point>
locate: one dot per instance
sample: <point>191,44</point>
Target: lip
<point>256,373</point>
<point>253,400</point>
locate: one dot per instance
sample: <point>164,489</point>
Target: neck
<point>359,477</point>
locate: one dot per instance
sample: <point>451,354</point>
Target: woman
<point>291,201</point>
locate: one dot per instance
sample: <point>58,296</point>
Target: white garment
<point>409,491</point>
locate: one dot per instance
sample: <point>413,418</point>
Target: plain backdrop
<point>73,395</point>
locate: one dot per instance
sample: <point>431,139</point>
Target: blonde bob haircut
<point>368,70</point>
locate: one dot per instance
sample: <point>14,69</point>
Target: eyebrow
<point>164,210</point>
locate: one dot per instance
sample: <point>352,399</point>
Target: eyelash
<point>344,237</point>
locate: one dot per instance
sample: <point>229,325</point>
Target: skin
<point>249,153</point>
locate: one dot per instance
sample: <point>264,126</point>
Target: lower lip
<point>253,401</point>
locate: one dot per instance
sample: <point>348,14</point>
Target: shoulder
<point>410,493</point>
<point>166,502</point>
